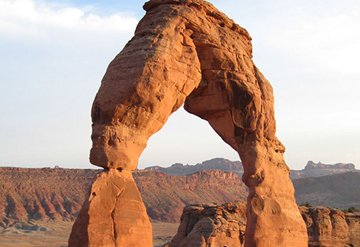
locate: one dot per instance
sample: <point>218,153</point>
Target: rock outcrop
<point>210,225</point>
<point>215,226</point>
<point>319,170</point>
<point>330,227</point>
<point>187,52</point>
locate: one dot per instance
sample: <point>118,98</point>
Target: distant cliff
<point>42,194</point>
<point>166,195</point>
<point>311,169</point>
<point>221,164</point>
<point>318,170</point>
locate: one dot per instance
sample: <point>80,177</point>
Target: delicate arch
<point>186,51</point>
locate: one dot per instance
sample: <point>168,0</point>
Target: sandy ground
<point>56,234</point>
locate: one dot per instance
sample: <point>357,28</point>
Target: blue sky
<point>54,54</point>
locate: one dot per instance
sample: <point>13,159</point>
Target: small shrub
<point>352,209</point>
<point>306,204</point>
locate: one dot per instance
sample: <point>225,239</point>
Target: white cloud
<point>34,19</point>
<point>328,41</point>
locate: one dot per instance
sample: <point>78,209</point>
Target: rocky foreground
<point>210,225</point>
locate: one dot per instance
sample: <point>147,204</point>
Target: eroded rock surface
<point>217,226</point>
<point>210,225</point>
<point>186,51</point>
<point>330,227</point>
<point>113,214</point>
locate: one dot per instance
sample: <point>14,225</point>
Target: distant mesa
<point>311,169</point>
<point>311,165</point>
<point>221,164</point>
<point>318,170</point>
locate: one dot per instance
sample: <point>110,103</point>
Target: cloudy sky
<point>53,55</point>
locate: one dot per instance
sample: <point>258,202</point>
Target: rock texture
<point>210,225</point>
<point>187,52</point>
<point>117,214</point>
<point>42,194</point>
<point>330,227</point>
<point>221,164</point>
<point>217,226</point>
<point>319,170</point>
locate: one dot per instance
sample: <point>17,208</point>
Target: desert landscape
<point>39,206</point>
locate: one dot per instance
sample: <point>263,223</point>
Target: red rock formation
<point>212,226</point>
<point>186,51</point>
<point>41,194</point>
<point>117,214</point>
<point>24,191</point>
<point>330,227</point>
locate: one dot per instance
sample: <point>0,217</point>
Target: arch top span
<point>187,52</point>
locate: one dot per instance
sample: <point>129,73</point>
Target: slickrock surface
<point>212,226</point>
<point>186,51</point>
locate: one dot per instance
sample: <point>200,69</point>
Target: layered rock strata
<point>187,52</point>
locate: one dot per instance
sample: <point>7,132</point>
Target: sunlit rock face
<point>187,52</point>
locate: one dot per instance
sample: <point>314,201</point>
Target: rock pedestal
<point>113,214</point>
<point>187,52</point>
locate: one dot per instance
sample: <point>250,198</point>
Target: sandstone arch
<point>185,52</point>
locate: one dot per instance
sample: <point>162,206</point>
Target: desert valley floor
<point>56,234</point>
